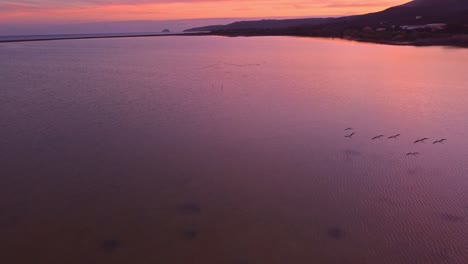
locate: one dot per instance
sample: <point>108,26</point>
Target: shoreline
<point>452,41</point>
<point>455,41</point>
<point>435,42</point>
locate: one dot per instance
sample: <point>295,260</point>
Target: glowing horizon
<point>34,11</point>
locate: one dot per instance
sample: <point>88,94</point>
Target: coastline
<point>459,41</point>
<point>431,42</point>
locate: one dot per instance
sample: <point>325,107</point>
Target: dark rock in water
<point>336,233</point>
<point>190,233</point>
<point>166,31</point>
<point>190,208</point>
<point>451,218</point>
<point>110,245</point>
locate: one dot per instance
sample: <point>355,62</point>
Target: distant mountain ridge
<point>265,23</point>
<point>414,12</point>
<point>435,2</point>
<point>422,12</point>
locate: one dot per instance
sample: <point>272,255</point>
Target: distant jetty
<point>75,37</point>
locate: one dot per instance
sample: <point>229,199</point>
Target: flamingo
<point>377,137</point>
<point>421,140</point>
<point>440,141</point>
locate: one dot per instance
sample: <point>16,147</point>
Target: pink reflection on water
<point>250,131</point>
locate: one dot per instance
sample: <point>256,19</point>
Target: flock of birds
<point>422,140</point>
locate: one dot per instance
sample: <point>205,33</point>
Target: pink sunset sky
<point>27,11</point>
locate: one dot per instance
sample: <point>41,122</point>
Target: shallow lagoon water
<point>232,150</point>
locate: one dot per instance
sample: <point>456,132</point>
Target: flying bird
<point>350,135</point>
<point>421,140</point>
<point>412,153</point>
<point>377,137</point>
<point>394,136</point>
<point>440,141</point>
<point>349,128</point>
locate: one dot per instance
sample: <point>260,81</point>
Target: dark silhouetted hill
<point>414,12</point>
<point>419,22</point>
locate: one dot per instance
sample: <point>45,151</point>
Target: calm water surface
<point>232,150</point>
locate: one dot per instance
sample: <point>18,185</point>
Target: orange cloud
<point>101,10</point>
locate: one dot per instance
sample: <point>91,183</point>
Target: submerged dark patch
<point>352,152</point>
<point>110,245</point>
<point>336,233</point>
<point>190,208</point>
<point>13,216</point>
<point>451,218</point>
<point>7,222</point>
<point>242,261</point>
<point>190,233</point>
<point>388,201</point>
<point>443,255</point>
